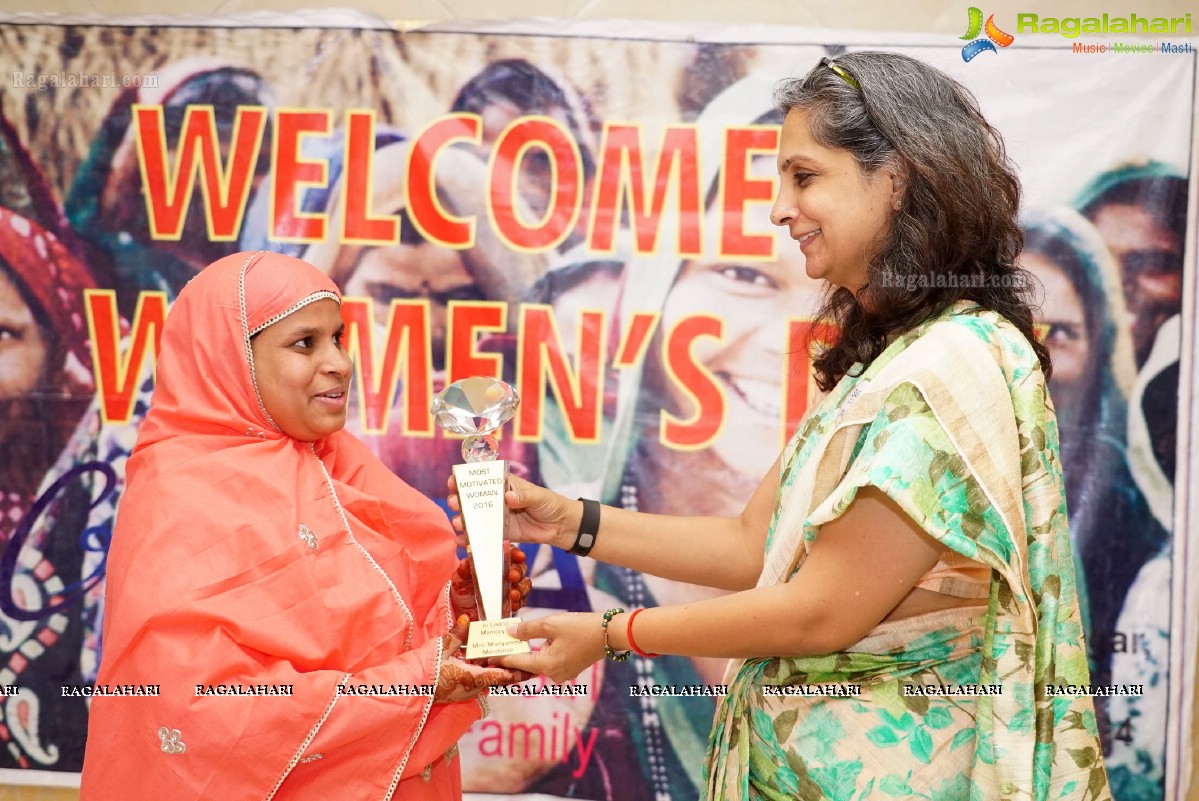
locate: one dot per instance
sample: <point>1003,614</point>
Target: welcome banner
<point>584,215</point>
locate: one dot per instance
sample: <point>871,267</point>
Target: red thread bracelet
<point>628,631</point>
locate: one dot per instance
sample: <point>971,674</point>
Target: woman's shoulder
<point>985,323</point>
<point>1008,345</point>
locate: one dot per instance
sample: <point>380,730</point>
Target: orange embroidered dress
<point>246,564</point>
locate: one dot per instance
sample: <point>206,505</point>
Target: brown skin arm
<point>861,567</point>
<point>722,552</point>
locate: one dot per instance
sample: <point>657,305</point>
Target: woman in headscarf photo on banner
<point>45,388</point>
<point>1083,313</point>
<point>106,201</point>
<point>1140,210</point>
<point>46,385</point>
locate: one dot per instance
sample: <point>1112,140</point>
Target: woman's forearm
<point>859,570</point>
<point>721,552</point>
<point>764,621</point>
<point>710,551</point>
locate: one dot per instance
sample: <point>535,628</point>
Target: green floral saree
<point>953,422</point>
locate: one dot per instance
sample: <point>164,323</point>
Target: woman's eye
<point>8,333</point>
<point>747,275</point>
<point>306,342</point>
<point>802,178</point>
<point>1063,332</point>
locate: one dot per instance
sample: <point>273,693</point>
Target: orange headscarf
<point>242,556</point>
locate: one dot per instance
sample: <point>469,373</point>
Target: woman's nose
<point>783,211</point>
<point>340,363</point>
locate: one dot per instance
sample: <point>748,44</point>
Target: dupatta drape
<point>953,422</point>
<point>244,557</point>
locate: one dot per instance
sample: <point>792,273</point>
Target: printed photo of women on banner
<point>586,217</point>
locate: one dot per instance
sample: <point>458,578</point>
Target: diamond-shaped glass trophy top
<point>475,406</point>
<point>480,448</point>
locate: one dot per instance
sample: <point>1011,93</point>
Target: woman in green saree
<point>905,622</point>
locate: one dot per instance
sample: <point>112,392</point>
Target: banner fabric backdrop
<point>586,216</point>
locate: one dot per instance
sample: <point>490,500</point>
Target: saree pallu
<point>953,422</point>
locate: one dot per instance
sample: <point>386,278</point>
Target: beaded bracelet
<point>629,633</point>
<point>613,655</point>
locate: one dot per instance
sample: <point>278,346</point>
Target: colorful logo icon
<point>994,35</point>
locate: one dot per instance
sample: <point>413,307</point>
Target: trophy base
<point>487,638</point>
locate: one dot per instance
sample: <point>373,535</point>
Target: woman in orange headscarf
<point>278,607</point>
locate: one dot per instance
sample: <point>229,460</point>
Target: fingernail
<point>512,631</point>
<point>463,620</point>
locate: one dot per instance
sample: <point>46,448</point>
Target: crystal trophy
<point>476,408</point>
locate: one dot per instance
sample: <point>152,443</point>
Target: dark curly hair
<point>957,235</point>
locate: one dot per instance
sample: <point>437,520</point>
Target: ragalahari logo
<point>994,35</point>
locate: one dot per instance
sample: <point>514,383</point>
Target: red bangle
<point>628,631</point>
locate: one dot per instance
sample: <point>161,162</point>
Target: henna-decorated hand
<point>462,681</point>
<point>463,599</point>
<point>518,583</point>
